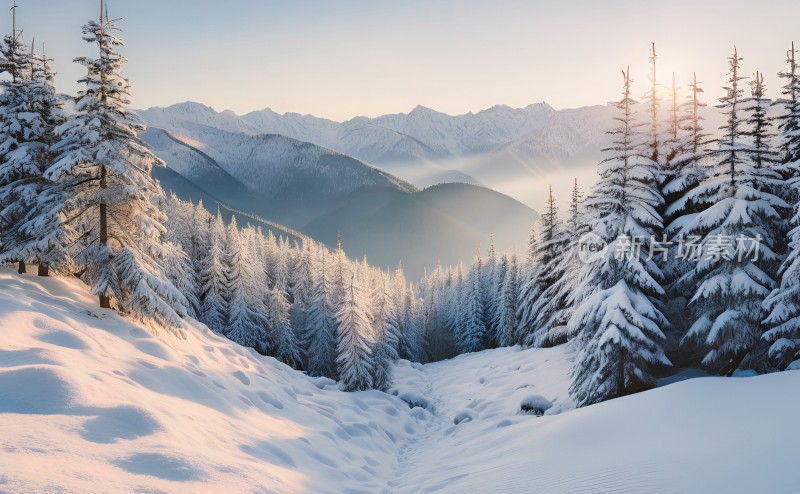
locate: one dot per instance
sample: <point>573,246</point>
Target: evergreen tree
<point>789,119</point>
<point>106,170</point>
<point>284,344</point>
<point>736,212</point>
<point>546,327</point>
<point>31,229</point>
<point>321,323</point>
<point>214,307</point>
<point>246,313</point>
<point>783,306</point>
<point>386,340</point>
<point>355,339</point>
<point>617,323</point>
<point>473,332</point>
<point>507,313</point>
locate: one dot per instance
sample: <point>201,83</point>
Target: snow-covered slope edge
<point>90,402</point>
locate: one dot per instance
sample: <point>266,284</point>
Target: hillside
<point>444,223</point>
<point>273,176</point>
<point>91,402</point>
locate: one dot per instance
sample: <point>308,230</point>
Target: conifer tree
<point>355,339</point>
<point>617,323</point>
<point>31,229</point>
<point>284,343</point>
<point>546,328</point>
<point>106,170</point>
<point>735,213</point>
<point>320,339</point>
<point>386,339</point>
<point>472,334</point>
<point>214,307</point>
<point>507,312</point>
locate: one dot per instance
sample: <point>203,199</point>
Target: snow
<point>92,402</point>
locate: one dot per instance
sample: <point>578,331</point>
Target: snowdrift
<point>91,402</point>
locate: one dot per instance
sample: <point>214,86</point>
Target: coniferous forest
<point>699,231</point>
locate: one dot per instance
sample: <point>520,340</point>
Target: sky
<point>339,59</point>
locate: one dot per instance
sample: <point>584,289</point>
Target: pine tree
<point>179,271</point>
<point>31,229</point>
<point>386,340</point>
<point>530,290</point>
<point>106,170</point>
<point>783,304</point>
<point>736,212</point>
<point>789,119</point>
<point>546,327</point>
<point>246,314</point>
<point>617,323</point>
<point>355,339</point>
<point>320,338</point>
<point>284,344</point>
<point>214,307</point>
<point>507,313</point>
<point>473,331</point>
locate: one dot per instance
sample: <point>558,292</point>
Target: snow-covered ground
<point>91,402</point>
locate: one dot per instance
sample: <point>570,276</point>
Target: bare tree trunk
<point>44,269</point>
<point>21,269</point>
<point>105,302</point>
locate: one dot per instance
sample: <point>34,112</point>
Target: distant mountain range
<point>296,188</point>
<point>516,151</point>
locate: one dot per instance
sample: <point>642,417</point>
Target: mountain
<point>443,223</point>
<point>273,176</point>
<point>91,402</point>
<point>516,151</point>
<point>320,193</point>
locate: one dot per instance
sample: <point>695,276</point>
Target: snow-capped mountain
<point>500,147</point>
<point>322,193</point>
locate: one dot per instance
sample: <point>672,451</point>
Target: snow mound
<point>535,405</point>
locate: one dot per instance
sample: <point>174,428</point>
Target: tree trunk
<point>105,301</point>
<point>21,269</point>
<point>44,269</point>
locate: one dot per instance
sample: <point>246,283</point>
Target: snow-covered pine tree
<point>179,271</point>
<point>617,322</point>
<point>355,339</point>
<point>106,170</point>
<point>507,311</point>
<point>246,313</point>
<point>284,343</point>
<point>31,230</point>
<point>530,289</point>
<point>783,320</point>
<point>387,328</point>
<point>789,122</point>
<point>735,213</point>
<point>320,334</point>
<point>473,332</point>
<point>412,336</point>
<point>490,274</point>
<point>783,306</point>
<point>546,328</point>
<point>213,305</point>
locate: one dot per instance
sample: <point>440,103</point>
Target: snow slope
<point>91,402</point>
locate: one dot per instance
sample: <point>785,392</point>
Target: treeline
<point>309,307</point>
<point>701,266</point>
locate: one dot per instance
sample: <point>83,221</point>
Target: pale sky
<point>339,59</point>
